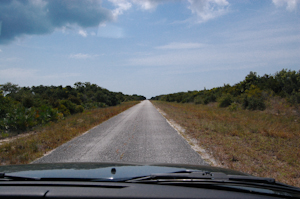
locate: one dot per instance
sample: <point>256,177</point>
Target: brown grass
<point>26,149</point>
<point>261,143</point>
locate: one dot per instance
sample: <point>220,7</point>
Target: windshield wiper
<point>220,180</point>
<point>6,177</point>
<point>189,176</point>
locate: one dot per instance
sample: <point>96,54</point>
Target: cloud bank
<point>204,10</point>
<point>39,17</point>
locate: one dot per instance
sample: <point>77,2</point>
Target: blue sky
<point>148,47</point>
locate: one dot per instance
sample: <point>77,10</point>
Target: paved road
<point>139,134</point>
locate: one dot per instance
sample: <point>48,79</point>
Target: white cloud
<point>180,46</point>
<point>148,4</point>
<point>204,10</point>
<point>208,9</point>
<point>0,50</point>
<point>122,5</point>
<point>290,4</point>
<point>82,33</point>
<point>82,56</point>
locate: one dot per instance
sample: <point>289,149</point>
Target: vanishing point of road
<point>140,135</point>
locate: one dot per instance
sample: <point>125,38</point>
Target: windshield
<point>208,82</point>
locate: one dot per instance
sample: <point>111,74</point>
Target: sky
<point>146,47</point>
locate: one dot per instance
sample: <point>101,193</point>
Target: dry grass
<point>29,148</point>
<point>262,143</point>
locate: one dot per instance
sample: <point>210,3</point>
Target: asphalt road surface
<point>140,134</point>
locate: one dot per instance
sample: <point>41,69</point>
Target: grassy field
<point>44,139</point>
<point>261,143</point>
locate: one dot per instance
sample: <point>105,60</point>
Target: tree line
<point>251,93</point>
<point>22,108</point>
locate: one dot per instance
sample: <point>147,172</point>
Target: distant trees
<point>251,93</point>
<point>23,107</point>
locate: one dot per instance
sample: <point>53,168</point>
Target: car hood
<point>103,170</point>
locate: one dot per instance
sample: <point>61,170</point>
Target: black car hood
<point>102,170</point>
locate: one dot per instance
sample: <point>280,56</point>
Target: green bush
<point>79,109</point>
<point>46,114</point>
<point>209,98</point>
<point>75,100</point>
<point>27,101</point>
<point>234,106</point>
<point>63,109</point>
<point>225,100</point>
<point>5,105</point>
<point>198,99</point>
<point>20,118</point>
<point>253,103</point>
<point>294,98</point>
<point>69,105</point>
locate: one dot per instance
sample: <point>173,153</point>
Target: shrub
<point>20,118</point>
<point>79,109</point>
<point>198,100</point>
<point>253,103</point>
<point>209,98</point>
<point>27,101</point>
<point>74,100</point>
<point>253,99</point>
<point>5,105</point>
<point>69,105</point>
<point>294,98</point>
<point>63,109</point>
<point>46,114</point>
<point>233,106</point>
<point>225,100</point>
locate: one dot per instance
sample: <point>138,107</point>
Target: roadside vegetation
<point>53,134</point>
<point>253,126</point>
<point>23,108</point>
<point>252,93</point>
